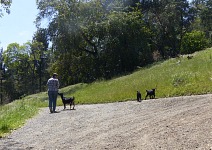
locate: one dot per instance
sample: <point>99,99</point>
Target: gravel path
<point>166,124</point>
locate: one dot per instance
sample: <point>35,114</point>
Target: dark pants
<point>52,100</point>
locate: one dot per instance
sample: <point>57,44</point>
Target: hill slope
<point>173,77</point>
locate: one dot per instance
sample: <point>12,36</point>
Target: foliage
<point>23,69</point>
<point>106,40</point>
<point>121,42</point>
<point>168,20</point>
<point>204,9</point>
<point>193,41</point>
<point>203,16</point>
<point>5,5</point>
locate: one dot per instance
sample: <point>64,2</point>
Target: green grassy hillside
<point>173,77</point>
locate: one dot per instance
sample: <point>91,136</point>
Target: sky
<point>18,26</point>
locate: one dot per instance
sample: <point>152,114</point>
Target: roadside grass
<point>173,77</point>
<point>14,115</point>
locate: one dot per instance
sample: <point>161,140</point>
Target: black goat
<point>67,100</point>
<point>150,93</point>
<point>138,96</point>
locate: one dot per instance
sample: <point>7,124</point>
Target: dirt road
<point>166,124</point>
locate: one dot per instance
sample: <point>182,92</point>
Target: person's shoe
<point>50,110</point>
<point>55,111</point>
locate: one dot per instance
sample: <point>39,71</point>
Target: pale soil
<point>166,124</point>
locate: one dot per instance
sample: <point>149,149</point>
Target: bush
<point>193,41</point>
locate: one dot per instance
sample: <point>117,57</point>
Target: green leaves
<point>5,4</point>
<point>193,41</point>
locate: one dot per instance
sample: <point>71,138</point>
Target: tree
<point>206,19</point>
<point>125,42</point>
<point>169,21</point>
<point>23,69</point>
<point>41,36</point>
<point>203,16</point>
<point>112,41</point>
<point>2,75</point>
<point>5,5</point>
<point>11,59</point>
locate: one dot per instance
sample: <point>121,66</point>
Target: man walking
<point>53,85</point>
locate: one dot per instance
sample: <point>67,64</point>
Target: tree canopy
<point>5,5</point>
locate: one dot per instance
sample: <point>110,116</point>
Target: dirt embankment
<point>166,124</point>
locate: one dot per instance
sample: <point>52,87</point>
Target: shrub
<point>193,41</point>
